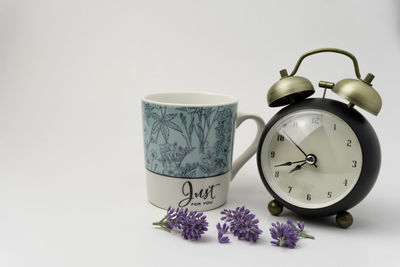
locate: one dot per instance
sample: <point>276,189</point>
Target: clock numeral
<point>280,138</point>
<point>276,174</point>
<point>272,154</point>
<point>290,189</point>
<point>345,182</point>
<point>315,121</point>
<point>329,194</point>
<point>308,197</point>
<point>354,164</point>
<point>348,142</point>
<point>295,124</point>
<point>334,127</point>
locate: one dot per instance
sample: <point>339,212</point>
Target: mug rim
<point>229,100</point>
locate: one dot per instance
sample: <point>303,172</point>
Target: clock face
<point>311,158</point>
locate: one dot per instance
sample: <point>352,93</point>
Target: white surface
<point>72,187</point>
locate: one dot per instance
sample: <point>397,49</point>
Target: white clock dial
<point>311,158</point>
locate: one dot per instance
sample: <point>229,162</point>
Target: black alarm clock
<point>319,156</point>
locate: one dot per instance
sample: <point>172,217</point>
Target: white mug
<point>188,140</point>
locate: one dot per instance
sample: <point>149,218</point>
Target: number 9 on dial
<point>319,156</point>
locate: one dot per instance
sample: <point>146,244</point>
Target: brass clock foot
<point>344,219</point>
<point>275,208</point>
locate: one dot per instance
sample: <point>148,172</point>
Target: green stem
<point>163,219</point>
<point>163,224</point>
<point>304,235</point>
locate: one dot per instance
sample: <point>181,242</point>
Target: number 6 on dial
<point>319,156</point>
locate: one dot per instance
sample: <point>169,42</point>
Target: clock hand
<point>291,140</point>
<point>289,163</point>
<point>296,145</point>
<point>311,159</point>
<point>298,167</point>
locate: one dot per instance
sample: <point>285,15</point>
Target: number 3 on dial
<point>311,153</point>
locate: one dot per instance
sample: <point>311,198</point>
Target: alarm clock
<point>319,156</point>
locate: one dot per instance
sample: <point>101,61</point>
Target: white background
<point>72,188</point>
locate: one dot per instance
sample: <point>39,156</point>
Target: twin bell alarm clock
<point>319,156</point>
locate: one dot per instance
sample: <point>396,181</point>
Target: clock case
<point>371,153</point>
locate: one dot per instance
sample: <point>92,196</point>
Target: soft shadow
<point>369,216</point>
<point>397,7</point>
<point>327,221</point>
<point>177,235</point>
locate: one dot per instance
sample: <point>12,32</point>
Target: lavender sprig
<point>287,234</point>
<point>221,231</point>
<point>300,229</point>
<point>242,223</point>
<point>191,224</point>
<point>284,234</point>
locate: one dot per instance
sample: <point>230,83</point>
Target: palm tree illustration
<point>163,123</point>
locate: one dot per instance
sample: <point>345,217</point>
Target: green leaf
<point>155,116</point>
<point>171,116</point>
<point>165,132</point>
<point>191,127</point>
<point>199,131</point>
<point>155,128</point>
<point>183,118</point>
<point>174,126</point>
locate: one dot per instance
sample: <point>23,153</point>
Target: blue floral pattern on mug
<point>189,142</point>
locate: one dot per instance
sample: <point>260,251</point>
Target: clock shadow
<point>326,221</point>
<point>368,216</point>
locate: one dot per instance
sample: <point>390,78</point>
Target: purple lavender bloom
<point>285,235</point>
<point>192,224</point>
<point>301,226</point>
<point>221,231</point>
<point>175,218</point>
<point>242,223</point>
<point>300,229</point>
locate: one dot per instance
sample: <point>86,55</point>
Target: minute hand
<point>294,143</point>
<point>291,140</point>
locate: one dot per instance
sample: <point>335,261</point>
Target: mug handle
<point>251,150</point>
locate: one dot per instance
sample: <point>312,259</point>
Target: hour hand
<point>298,167</point>
<point>289,163</point>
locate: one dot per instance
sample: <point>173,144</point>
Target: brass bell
<point>360,93</point>
<point>288,90</point>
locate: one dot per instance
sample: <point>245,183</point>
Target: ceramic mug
<point>188,141</point>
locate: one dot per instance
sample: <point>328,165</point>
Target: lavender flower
<point>221,231</point>
<point>242,223</point>
<point>300,229</point>
<point>191,224</point>
<point>285,235</point>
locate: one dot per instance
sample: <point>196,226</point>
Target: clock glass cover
<point>311,158</point>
